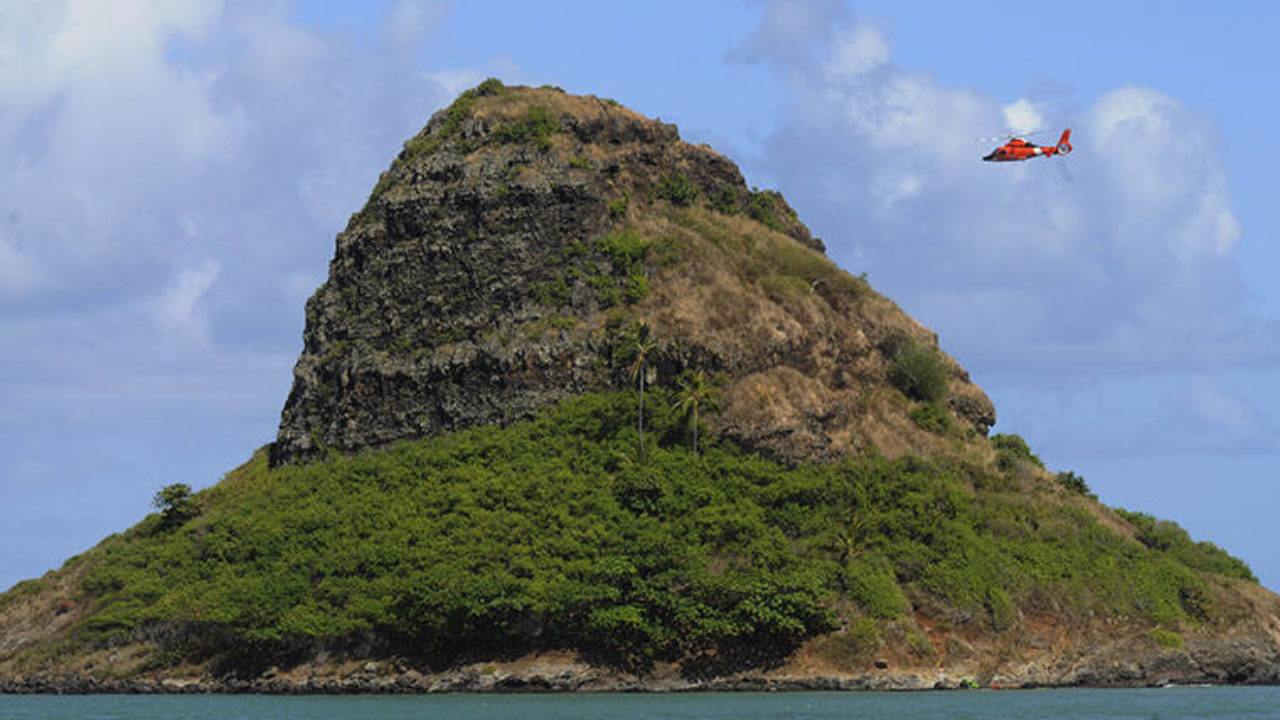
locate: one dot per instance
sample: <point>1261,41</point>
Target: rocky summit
<point>578,409</point>
<point>498,262</point>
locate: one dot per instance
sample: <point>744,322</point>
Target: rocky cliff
<point>499,261</point>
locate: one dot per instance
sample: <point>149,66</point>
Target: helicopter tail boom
<point>1064,142</point>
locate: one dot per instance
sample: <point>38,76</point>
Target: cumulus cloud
<point>1062,291</point>
<point>174,176</point>
<point>857,50</point>
<point>1022,116</point>
<point>1118,263</point>
<point>148,138</point>
<point>177,309</point>
<point>410,22</point>
<point>155,147</point>
<point>786,34</point>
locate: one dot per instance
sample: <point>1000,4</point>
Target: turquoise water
<point>1163,704</point>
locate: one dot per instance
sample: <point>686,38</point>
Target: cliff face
<point>500,261</point>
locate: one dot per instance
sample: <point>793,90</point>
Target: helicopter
<point>1018,149</point>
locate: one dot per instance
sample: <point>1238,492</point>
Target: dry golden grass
<point>802,340</point>
<point>41,614</point>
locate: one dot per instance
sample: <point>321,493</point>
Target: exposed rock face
<point>502,256</point>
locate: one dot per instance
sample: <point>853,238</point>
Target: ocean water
<point>1166,703</point>
<point>1077,704</point>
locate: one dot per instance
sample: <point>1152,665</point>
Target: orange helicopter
<point>1019,149</point>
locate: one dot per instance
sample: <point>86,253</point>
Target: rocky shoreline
<point>512,684</point>
<point>484,681</point>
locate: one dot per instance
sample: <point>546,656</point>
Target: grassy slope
<point>551,534</point>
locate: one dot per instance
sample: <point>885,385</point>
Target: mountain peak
<point>503,255</point>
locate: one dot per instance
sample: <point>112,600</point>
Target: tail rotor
<point>1064,142</point>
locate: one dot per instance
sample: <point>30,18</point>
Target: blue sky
<point>174,175</point>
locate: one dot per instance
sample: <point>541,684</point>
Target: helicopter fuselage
<point>1019,149</point>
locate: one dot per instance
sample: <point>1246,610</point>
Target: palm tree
<point>696,392</point>
<point>640,348</point>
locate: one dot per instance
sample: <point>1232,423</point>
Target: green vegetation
<point>918,371</point>
<point>696,392</point>
<point>637,288</point>
<point>1074,483</point>
<point>1012,451</point>
<point>424,144</point>
<point>455,115</point>
<point>614,266</point>
<point>458,112</point>
<point>626,252</point>
<point>725,200</point>
<point>175,504</point>
<point>872,585</point>
<point>618,206</point>
<point>1166,638</point>
<point>855,646</point>
<point>932,416</point>
<point>24,589</point>
<point>550,534</point>
<point>490,86</point>
<point>638,349</point>
<point>782,267</point>
<point>767,207</point>
<point>676,189</point>
<point>1168,537</point>
<point>553,292</point>
<point>534,127</point>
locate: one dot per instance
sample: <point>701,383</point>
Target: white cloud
<point>1164,163</point>
<point>785,35</point>
<point>98,39</point>
<point>128,121</point>
<point>1022,116</point>
<point>410,22</point>
<point>857,50</point>
<point>1118,267</point>
<point>455,81</point>
<point>177,309</point>
<point>173,172</point>
<point>1056,284</point>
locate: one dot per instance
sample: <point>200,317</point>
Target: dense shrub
<point>1168,537</point>
<point>1074,483</point>
<point>534,127</point>
<point>1166,638</point>
<point>931,416</point>
<point>766,208</point>
<point>918,371</point>
<point>626,251</point>
<point>551,534</point>
<point>676,188</point>
<point>1012,449</point>
<point>490,86</point>
<point>175,504</point>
